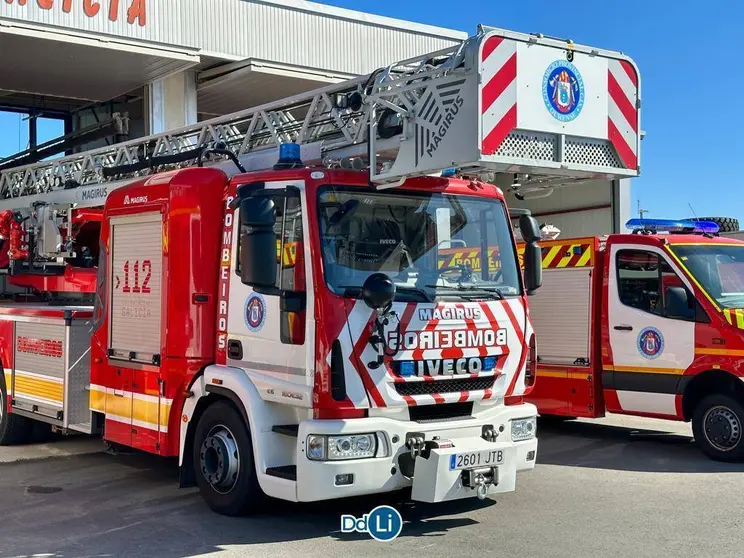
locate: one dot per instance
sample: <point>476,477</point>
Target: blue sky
<point>690,55</point>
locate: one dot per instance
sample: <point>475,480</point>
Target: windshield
<point>429,244</point>
<point>719,269</point>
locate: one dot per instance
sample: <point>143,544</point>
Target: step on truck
<point>648,324</point>
<point>262,295</point>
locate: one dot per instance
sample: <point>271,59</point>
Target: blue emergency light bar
<point>289,157</point>
<point>672,226</point>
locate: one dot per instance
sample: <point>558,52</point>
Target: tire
<point>14,429</point>
<point>718,427</point>
<point>228,485</point>
<point>725,224</point>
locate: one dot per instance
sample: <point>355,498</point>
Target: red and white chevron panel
<point>622,111</point>
<point>498,92</point>
<point>379,383</point>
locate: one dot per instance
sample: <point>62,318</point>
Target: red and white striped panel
<point>622,111</point>
<point>498,92</point>
<point>379,382</point>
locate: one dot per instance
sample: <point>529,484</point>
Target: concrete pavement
<point>639,489</point>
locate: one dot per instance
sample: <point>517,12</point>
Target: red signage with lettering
<point>136,10</point>
<point>43,347</point>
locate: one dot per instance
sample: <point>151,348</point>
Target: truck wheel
<point>14,429</point>
<point>718,427</point>
<point>223,461</point>
<point>725,224</point>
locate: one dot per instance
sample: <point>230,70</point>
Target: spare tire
<point>725,224</point>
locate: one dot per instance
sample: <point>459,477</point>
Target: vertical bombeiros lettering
<point>224,288</point>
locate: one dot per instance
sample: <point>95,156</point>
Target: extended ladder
<point>452,108</point>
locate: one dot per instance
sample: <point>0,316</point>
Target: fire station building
<point>80,74</point>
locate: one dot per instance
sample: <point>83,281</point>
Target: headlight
<point>316,447</point>
<point>358,446</point>
<point>523,429</point>
<point>336,448</point>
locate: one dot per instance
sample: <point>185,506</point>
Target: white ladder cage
<point>333,125</point>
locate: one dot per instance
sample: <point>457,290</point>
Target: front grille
<point>445,386</point>
<point>441,413</point>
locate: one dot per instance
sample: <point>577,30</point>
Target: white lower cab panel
<point>642,402</point>
<point>434,480</point>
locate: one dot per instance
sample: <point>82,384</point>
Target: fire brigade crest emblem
<point>255,312</point>
<point>650,342</point>
<point>563,90</point>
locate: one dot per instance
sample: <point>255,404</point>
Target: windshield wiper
<point>355,291</point>
<point>417,290</point>
<point>468,291</point>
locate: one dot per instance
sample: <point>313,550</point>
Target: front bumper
<point>432,479</point>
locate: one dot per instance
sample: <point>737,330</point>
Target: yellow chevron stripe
<point>727,315</point>
<point>585,257</point>
<point>739,318</point>
<point>567,258</point>
<point>550,256</point>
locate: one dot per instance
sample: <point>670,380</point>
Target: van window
<point>643,279</point>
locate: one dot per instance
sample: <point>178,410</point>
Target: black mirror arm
<point>219,151</point>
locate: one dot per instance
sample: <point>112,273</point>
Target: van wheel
<point>14,429</point>
<point>223,461</point>
<point>718,427</point>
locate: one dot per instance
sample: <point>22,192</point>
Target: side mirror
<point>677,304</point>
<point>378,291</point>
<point>530,228</point>
<point>258,242</point>
<point>532,267</point>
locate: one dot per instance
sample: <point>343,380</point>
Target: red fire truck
<point>646,324</point>
<point>286,329</point>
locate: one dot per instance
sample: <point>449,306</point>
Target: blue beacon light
<point>289,157</point>
<point>672,226</point>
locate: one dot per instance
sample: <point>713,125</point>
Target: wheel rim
<point>219,459</point>
<point>722,428</point>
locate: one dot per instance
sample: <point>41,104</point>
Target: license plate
<point>485,458</point>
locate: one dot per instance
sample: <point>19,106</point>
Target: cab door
<point>267,330</point>
<point>651,343</point>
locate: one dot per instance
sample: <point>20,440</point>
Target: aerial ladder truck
<point>265,295</point>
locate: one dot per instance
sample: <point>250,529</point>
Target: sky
<point>690,56</point>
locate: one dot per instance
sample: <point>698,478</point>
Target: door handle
<point>234,349</point>
<point>624,328</point>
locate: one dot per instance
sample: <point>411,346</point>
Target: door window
<point>643,282</point>
<point>290,267</point>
